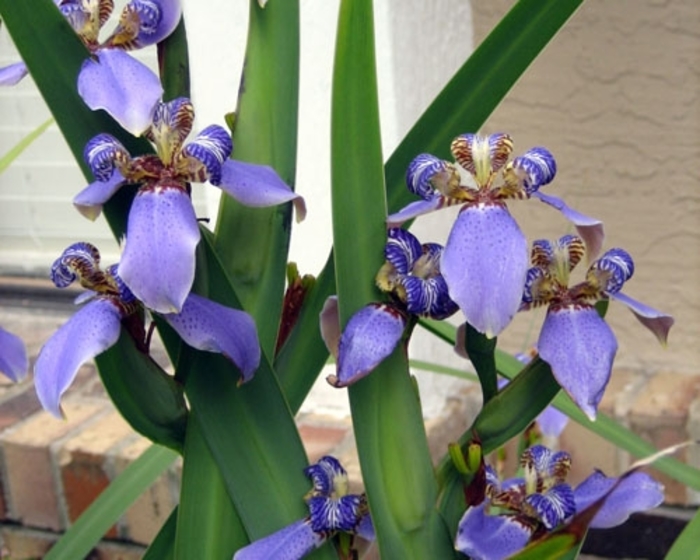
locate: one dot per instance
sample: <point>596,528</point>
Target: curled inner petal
<point>427,175</point>
<point>331,514</point>
<point>201,159</point>
<point>534,169</point>
<point>482,156</point>
<point>328,477</point>
<point>103,154</point>
<point>611,271</point>
<point>81,262</point>
<point>172,123</point>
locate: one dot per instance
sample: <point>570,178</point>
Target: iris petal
<point>370,336</point>
<point>209,326</point>
<point>637,492</point>
<point>12,74</point>
<point>402,249</point>
<point>153,21</point>
<point>122,86</point>
<point>590,229</point>
<point>657,322</point>
<point>158,261</point>
<point>91,331</point>
<point>172,123</point>
<point>103,153</point>
<point>532,170</point>
<point>614,268</point>
<point>291,543</point>
<point>203,157</point>
<point>13,356</point>
<point>484,264</point>
<point>330,325</point>
<point>90,200</point>
<point>580,347</point>
<point>554,506</point>
<point>324,475</point>
<point>258,186</point>
<point>490,537</point>
<point>428,175</point>
<point>415,209</point>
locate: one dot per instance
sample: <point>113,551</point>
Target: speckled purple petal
<point>580,348</point>
<point>90,200</point>
<point>590,229</point>
<point>370,336</point>
<point>637,492</point>
<point>656,321</point>
<point>258,186</point>
<point>121,85</point>
<point>484,264</point>
<point>415,209</point>
<point>13,356</point>
<point>12,74</point>
<point>330,325</point>
<point>489,537</point>
<point>89,332</point>
<point>291,543</point>
<point>209,326</point>
<point>158,260</point>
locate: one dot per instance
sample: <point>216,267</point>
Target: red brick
<point>31,492</point>
<point>81,460</point>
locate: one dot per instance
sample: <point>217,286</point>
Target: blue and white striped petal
<point>428,297</point>
<point>145,22</point>
<point>291,543</point>
<point>482,156</point>
<point>201,159</point>
<point>335,514</point>
<point>427,175</point>
<point>580,348</point>
<point>369,337</point>
<point>12,74</point>
<point>13,356</point>
<point>611,271</point>
<point>402,249</point>
<point>543,467</point>
<point>80,261</point>
<point>326,475</point>
<point>532,170</point>
<point>552,507</point>
<point>104,154</point>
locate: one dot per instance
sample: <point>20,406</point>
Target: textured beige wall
<point>616,97</point>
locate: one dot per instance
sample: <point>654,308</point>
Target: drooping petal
<point>484,264</point>
<point>656,321</point>
<point>291,543</point>
<point>158,261</point>
<point>418,208</point>
<point>12,74</point>
<point>13,356</point>
<point>121,85</point>
<point>89,332</point>
<point>580,347</point>
<point>427,175</point>
<point>370,335</point>
<point>330,325</point>
<point>490,537</point>
<point>590,229</point>
<point>201,159</point>
<point>637,492</point>
<point>258,186</point>
<point>90,200</point>
<point>145,22</point>
<point>209,326</point>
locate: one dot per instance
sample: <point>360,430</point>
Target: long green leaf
<point>96,520</point>
<point>162,547</point>
<point>23,144</point>
<point>687,545</point>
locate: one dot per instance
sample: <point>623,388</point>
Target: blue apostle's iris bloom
<point>111,79</point>
<point>575,341</point>
<point>411,276</point>
<point>485,258</point>
<point>203,324</point>
<point>13,356</point>
<point>331,509</point>
<point>517,510</point>
<point>162,233</point>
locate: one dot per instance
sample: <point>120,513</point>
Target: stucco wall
<point>616,97</point>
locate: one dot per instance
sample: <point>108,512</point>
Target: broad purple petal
<point>590,229</point>
<point>291,543</point>
<point>121,85</point>
<point>370,336</point>
<point>90,200</point>
<point>13,356</point>
<point>330,325</point>
<point>415,209</point>
<point>258,186</point>
<point>580,347</point>
<point>484,264</point>
<point>489,537</point>
<point>91,331</point>
<point>209,326</point>
<point>158,261</point>
<point>12,74</point>
<point>637,492</point>
<point>656,321</point>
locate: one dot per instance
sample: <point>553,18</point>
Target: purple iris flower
<point>520,509</point>
<point>111,79</point>
<point>203,324</point>
<point>331,509</point>
<point>575,341</point>
<point>485,257</point>
<point>13,356</point>
<point>411,276</point>
<point>158,263</point>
